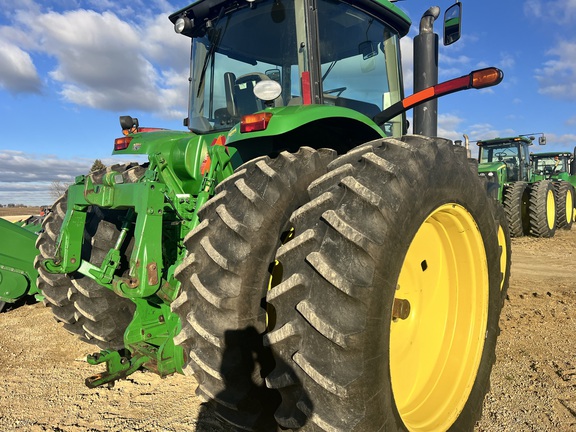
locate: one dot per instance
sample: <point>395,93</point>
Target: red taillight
<point>122,143</point>
<point>149,129</point>
<point>255,122</point>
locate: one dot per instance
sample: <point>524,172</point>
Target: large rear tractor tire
<point>387,313</point>
<point>516,199</point>
<point>224,281</point>
<point>564,204</point>
<point>94,313</point>
<point>542,209</point>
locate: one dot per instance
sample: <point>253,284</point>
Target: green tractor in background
<point>560,168</point>
<point>309,263</point>
<point>529,203</point>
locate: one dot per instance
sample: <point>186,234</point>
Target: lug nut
<point>400,309</point>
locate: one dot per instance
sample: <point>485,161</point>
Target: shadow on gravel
<point>245,376</point>
<point>7,307</point>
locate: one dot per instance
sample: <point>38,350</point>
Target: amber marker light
<point>255,122</point>
<point>478,79</point>
<point>486,78</point>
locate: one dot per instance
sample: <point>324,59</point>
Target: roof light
<point>128,124</point>
<point>183,25</point>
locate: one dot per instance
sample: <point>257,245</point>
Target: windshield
<point>359,62</point>
<point>503,153</point>
<point>550,165</point>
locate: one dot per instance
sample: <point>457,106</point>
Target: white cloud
<point>17,72</point>
<point>18,166</point>
<point>533,8</point>
<point>110,58</point>
<point>448,126</point>
<point>99,63</point>
<point>565,141</point>
<point>484,131</point>
<point>560,11</point>
<point>507,61</point>
<point>26,178</point>
<point>558,77</point>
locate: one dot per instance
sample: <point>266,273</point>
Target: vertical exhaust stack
<point>426,73</point>
<point>467,145</point>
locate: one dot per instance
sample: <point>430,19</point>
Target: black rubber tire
<point>516,199</point>
<point>340,274</point>
<point>541,212</point>
<point>564,204</point>
<point>94,313</point>
<point>2,305</point>
<point>224,281</point>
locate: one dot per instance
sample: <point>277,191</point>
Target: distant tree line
<point>58,187</point>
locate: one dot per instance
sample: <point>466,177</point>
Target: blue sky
<point>69,68</point>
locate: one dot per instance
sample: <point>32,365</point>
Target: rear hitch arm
<point>118,366</point>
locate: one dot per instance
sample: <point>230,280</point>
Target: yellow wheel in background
<point>550,209</point>
<point>542,210</point>
<point>564,193</point>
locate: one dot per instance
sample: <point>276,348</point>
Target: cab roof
<point>203,10</point>
<point>509,140</point>
<point>551,154</point>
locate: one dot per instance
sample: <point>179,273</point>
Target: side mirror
<point>273,74</point>
<point>542,140</point>
<point>452,23</point>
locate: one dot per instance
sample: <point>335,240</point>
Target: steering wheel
<point>500,155</point>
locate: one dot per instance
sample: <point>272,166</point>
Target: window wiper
<point>214,37</point>
<point>329,69</point>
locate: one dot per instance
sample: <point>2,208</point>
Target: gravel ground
<point>42,367</point>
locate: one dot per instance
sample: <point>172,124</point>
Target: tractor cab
<point>250,56</point>
<point>505,159</point>
<point>552,164</point>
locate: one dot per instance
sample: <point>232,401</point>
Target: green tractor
<point>309,263</point>
<point>560,168</point>
<point>529,203</point>
<point>17,254</point>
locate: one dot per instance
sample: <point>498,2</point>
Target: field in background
<point>16,211</point>
<point>14,214</point>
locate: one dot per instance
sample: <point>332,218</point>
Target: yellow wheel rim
<point>569,207</point>
<point>550,209</point>
<point>503,254</point>
<point>439,320</point>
